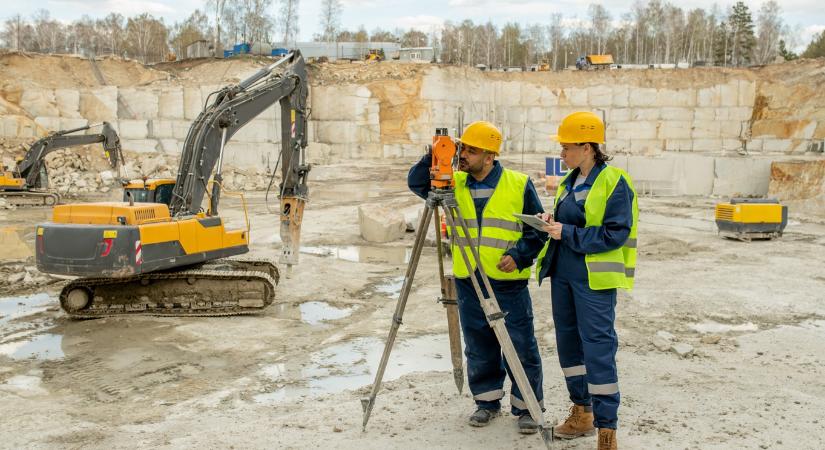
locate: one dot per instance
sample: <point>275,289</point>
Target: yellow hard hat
<point>580,127</point>
<point>483,135</point>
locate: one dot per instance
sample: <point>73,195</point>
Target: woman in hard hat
<point>488,195</point>
<point>590,254</point>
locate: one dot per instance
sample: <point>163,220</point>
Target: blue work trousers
<point>486,367</point>
<point>587,345</point>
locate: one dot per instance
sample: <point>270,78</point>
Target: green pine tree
<point>785,53</point>
<point>816,49</point>
<point>742,37</point>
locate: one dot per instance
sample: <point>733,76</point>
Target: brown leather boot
<point>578,423</point>
<point>607,439</point>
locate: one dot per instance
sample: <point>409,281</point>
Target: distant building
<point>343,50</point>
<point>416,54</point>
<point>199,49</point>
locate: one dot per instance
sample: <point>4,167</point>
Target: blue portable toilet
<point>240,49</point>
<point>279,52</point>
<point>227,53</point>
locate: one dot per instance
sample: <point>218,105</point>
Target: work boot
<point>607,439</point>
<point>526,424</point>
<point>578,423</point>
<point>482,417</point>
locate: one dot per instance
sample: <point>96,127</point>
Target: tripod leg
<point>496,320</point>
<point>421,234</point>
<point>450,302</point>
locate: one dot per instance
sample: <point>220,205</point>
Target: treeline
<point>655,32</point>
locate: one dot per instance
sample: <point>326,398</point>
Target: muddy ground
<point>753,313</point>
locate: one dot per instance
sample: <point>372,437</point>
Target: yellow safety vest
<point>613,268</point>
<point>499,229</point>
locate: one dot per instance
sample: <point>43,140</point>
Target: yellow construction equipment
<point>374,55</point>
<point>746,219</point>
<point>166,254</point>
<point>594,62</point>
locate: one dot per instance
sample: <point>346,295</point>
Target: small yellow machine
<point>751,218</point>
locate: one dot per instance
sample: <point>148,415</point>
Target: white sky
<point>807,16</point>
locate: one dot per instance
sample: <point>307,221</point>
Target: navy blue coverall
<point>485,365</point>
<point>584,318</point>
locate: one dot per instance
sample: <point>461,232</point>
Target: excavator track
<point>224,287</point>
<point>30,198</point>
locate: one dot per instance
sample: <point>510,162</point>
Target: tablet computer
<point>533,221</point>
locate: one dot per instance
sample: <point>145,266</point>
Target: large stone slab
<point>170,104</point>
<point>381,224</point>
<point>40,102</point>
<point>736,177</point>
<point>100,104</point>
<point>135,103</point>
<point>68,102</point>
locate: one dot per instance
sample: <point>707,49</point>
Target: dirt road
<point>751,316</point>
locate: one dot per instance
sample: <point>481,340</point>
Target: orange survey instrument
<point>443,151</point>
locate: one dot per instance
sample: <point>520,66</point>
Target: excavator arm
<point>232,108</point>
<point>30,167</point>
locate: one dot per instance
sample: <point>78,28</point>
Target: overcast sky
<point>808,16</point>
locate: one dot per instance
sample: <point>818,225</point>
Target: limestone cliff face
<point>390,110</point>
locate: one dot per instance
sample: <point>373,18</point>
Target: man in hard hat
<point>591,254</point>
<point>488,195</point>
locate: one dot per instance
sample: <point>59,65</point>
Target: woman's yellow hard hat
<point>580,127</point>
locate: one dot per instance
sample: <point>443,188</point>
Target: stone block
<point>140,145</point>
<point>675,130</point>
<point>709,97</point>
<point>133,129</point>
<point>704,114</point>
<point>99,104</point>
<point>68,123</point>
<point>329,103</point>
<point>336,132</point>
<point>644,97</point>
<point>614,145</point>
<point>707,145</point>
<point>68,102</point>
<point>679,145</point>
<point>537,114</point>
<point>170,104</point>
<point>381,224</point>
<point>647,146</point>
<point>135,103</point>
<point>754,145</point>
<point>732,128</point>
<point>516,115</point>
<point>729,94</point>
<point>676,113</point>
<point>600,96</point>
<point>50,124</point>
<point>18,126</point>
<point>621,96</point>
<point>574,97</point>
<point>703,129</point>
<point>506,93</point>
<point>649,114</point>
<point>732,145</point>
<point>738,113</point>
<point>39,102</point>
<point>677,97</point>
<point>619,115</point>
<point>693,175</point>
<point>747,93</point>
<point>647,169</point>
<point>192,103</point>
<point>737,177</point>
<point>436,85</point>
<point>169,129</point>
<point>251,154</point>
<point>776,145</point>
<point>636,130</point>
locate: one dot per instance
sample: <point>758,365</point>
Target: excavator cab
<point>149,191</point>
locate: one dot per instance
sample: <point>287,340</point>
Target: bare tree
<point>769,29</point>
<point>330,19</point>
<point>289,20</point>
<point>218,7</point>
<point>600,26</point>
<point>18,34</point>
<point>555,33</point>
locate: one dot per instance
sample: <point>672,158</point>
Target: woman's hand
<point>554,229</point>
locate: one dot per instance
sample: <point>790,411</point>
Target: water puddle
<point>43,347</point>
<point>22,339</point>
<point>316,313</point>
<point>716,327</point>
<point>391,287</point>
<point>363,254</point>
<point>351,365</point>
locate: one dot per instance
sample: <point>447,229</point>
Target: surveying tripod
<point>442,195</point>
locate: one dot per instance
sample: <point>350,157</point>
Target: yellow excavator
<point>160,252</point>
<point>28,182</point>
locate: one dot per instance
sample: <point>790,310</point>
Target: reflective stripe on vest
<point>613,268</point>
<point>500,230</point>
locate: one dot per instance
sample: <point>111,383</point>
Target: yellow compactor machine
<point>746,219</point>
<point>161,252</point>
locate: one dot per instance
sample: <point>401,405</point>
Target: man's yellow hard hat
<point>580,127</point>
<point>483,135</point>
